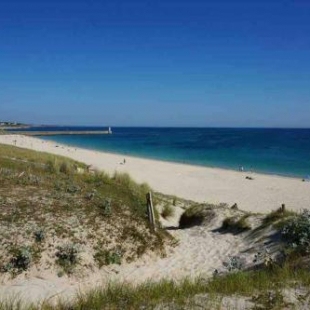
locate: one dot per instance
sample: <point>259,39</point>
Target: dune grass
<point>236,224</point>
<point>196,215</point>
<point>98,213</point>
<point>170,294</point>
<point>167,211</point>
<point>55,170</point>
<point>181,293</point>
<point>277,216</point>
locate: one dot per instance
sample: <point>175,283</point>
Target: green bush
<point>297,231</point>
<point>21,259</point>
<point>68,256</point>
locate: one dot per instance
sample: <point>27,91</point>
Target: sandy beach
<point>262,193</point>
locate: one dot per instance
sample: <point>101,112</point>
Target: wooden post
<point>283,208</point>
<point>150,210</point>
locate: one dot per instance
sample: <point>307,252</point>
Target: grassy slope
<point>46,205</point>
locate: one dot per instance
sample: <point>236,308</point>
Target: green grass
<point>181,295</point>
<point>277,216</point>
<point>148,295</point>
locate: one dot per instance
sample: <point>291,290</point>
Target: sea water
<point>272,151</point>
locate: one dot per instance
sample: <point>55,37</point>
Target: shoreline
<point>289,176</point>
<point>198,183</point>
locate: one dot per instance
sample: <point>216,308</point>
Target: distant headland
<point>13,125</point>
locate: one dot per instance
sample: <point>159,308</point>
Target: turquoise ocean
<point>272,151</point>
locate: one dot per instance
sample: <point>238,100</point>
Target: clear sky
<point>156,63</point>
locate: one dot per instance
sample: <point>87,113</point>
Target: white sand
<point>200,249</point>
<point>213,185</point>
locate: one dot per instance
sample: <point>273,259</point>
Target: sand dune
<point>200,249</point>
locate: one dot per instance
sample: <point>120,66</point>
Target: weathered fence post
<point>283,208</point>
<point>150,210</point>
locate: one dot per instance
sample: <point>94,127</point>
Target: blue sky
<point>156,63</point>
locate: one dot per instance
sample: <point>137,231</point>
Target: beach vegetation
<point>106,206</point>
<point>72,188</point>
<point>64,168</point>
<point>196,214</point>
<point>174,200</point>
<point>97,179</point>
<point>167,211</point>
<point>264,289</point>
<point>236,224</point>
<point>68,256</point>
<point>49,208</point>
<point>59,165</point>
<point>50,166</point>
<point>276,216</point>
<point>296,231</point>
<point>107,257</point>
<point>234,263</point>
<point>20,259</point>
<point>39,235</point>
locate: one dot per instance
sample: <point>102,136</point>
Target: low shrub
<point>64,168</point>
<point>297,231</point>
<point>72,188</point>
<point>235,263</point>
<point>68,256</point>
<point>50,166</point>
<point>20,260</point>
<point>277,215</point>
<point>167,211</point>
<point>196,215</point>
<point>105,257</point>
<point>39,235</point>
<point>236,224</point>
<point>106,207</point>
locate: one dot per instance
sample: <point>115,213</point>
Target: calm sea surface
<point>274,151</point>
